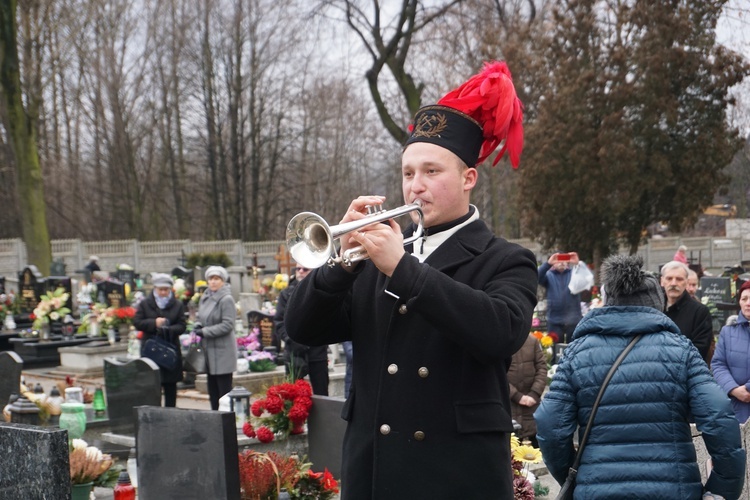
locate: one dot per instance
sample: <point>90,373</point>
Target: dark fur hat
<point>627,284</point>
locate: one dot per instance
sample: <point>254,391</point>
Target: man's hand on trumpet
<point>383,243</point>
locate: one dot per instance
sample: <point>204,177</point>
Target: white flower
<point>80,444</point>
<point>54,315</point>
<point>94,454</point>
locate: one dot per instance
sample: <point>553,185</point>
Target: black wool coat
<point>429,411</point>
<point>145,321</point>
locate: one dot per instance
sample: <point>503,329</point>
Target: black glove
<point>197,328</point>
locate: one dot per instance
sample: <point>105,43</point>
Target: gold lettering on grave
<point>266,332</point>
<point>115,299</point>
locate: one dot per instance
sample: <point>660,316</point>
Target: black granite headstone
<point>187,454</point>
<point>31,287</point>
<point>52,283</point>
<point>130,384</point>
<point>2,284</point>
<point>325,433</point>
<point>125,276</point>
<point>11,365</point>
<point>35,462</point>
<point>114,293</point>
<point>264,323</point>
<point>719,291</point>
<point>57,267</point>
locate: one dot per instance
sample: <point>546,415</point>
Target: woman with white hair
<point>215,324</point>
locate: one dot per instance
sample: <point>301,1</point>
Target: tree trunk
<point>21,127</point>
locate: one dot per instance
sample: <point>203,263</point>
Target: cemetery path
<point>48,377</point>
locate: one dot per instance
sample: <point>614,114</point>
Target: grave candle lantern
<point>239,403</point>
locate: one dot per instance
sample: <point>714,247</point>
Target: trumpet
<point>310,239</point>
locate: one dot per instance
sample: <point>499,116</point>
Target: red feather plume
<point>490,98</point>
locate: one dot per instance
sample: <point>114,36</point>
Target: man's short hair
<point>673,264</point>
<point>692,273</point>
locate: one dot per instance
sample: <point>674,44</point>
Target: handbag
<point>566,491</point>
<point>161,352</point>
<point>195,359</point>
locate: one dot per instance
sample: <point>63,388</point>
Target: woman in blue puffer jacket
<point>731,361</point>
<point>640,445</point>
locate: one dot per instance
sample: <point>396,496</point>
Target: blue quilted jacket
<point>641,444</point>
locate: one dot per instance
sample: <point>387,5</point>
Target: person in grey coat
<point>216,316</point>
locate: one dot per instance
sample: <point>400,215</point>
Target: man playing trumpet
<point>433,324</point>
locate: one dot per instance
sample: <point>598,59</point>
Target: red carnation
<point>264,434</point>
<point>305,402</point>
<point>554,337</point>
<point>303,387</point>
<point>257,407</point>
<point>274,405</point>
<point>298,414</point>
<point>248,430</point>
<point>329,483</point>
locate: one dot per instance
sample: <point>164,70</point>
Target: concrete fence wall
<point>162,256</point>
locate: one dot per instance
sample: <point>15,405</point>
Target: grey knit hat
<point>627,284</point>
<point>217,271</point>
<point>161,280</point>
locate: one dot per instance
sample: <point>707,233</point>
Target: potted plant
<point>87,465</point>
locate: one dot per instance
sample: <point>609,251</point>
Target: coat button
<point>385,429</point>
<point>392,369</point>
<point>419,436</point>
<point>402,309</point>
<point>423,372</point>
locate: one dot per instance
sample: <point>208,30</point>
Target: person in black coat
<point>434,325</point>
<point>301,359</point>
<point>162,314</point>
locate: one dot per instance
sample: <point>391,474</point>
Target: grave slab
<point>130,384</point>
<point>11,366</point>
<point>186,454</point>
<point>35,462</point>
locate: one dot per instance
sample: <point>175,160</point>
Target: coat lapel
<point>460,248</point>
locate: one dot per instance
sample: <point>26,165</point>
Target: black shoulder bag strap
<point>582,444</point>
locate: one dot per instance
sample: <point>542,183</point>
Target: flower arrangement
<point>7,305</point>
<point>258,361</point>
<point>87,463</point>
<point>180,290</point>
<point>263,475</point>
<point>270,287</point>
<point>199,285</point>
<point>548,341</point>
<point>51,307</point>
<point>523,480</point>
<point>282,411</point>
<point>261,361</point>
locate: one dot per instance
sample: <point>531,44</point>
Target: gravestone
<point>129,384</point>
<point>114,293</point>
<point>325,433</point>
<point>286,263</point>
<point>186,454</point>
<point>31,287</point>
<point>264,323</point>
<point>11,365</point>
<point>2,284</point>
<point>719,291</point>
<point>57,267</point>
<point>188,275</point>
<point>126,276</point>
<point>35,462</point>
<point>52,283</point>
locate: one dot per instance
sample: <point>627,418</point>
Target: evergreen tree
<point>632,127</point>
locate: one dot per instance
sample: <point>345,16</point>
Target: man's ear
<point>470,178</point>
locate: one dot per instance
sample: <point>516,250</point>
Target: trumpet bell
<point>309,240</point>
